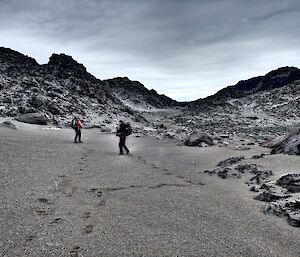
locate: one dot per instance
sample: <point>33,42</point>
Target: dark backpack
<point>74,123</point>
<point>128,130</point>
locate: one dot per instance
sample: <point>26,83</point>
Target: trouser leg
<point>76,135</point>
<point>124,145</point>
<point>121,144</point>
<point>79,135</point>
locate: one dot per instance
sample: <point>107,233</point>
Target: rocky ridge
<point>137,96</point>
<point>251,112</point>
<point>59,89</point>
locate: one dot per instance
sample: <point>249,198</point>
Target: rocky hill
<point>63,87</point>
<point>275,79</point>
<point>257,108</point>
<point>136,95</point>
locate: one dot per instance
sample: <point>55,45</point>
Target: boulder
<point>291,182</point>
<point>294,219</point>
<point>274,208</point>
<point>33,118</point>
<point>230,161</point>
<point>197,138</point>
<point>289,144</point>
<point>268,196</point>
<point>8,124</point>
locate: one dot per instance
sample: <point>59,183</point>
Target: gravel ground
<point>64,199</point>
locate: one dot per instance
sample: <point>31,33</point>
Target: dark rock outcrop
<point>291,182</point>
<point>137,95</point>
<point>59,89</point>
<point>230,161</point>
<point>289,144</point>
<point>197,138</point>
<point>33,118</point>
<point>8,124</point>
<point>268,196</point>
<point>274,79</point>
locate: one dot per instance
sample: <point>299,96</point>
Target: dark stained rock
<point>274,208</point>
<point>230,161</point>
<point>33,118</point>
<point>254,189</point>
<point>224,173</point>
<point>8,124</point>
<point>258,156</point>
<point>197,138</point>
<point>291,182</point>
<point>268,196</point>
<point>294,219</point>
<point>289,144</point>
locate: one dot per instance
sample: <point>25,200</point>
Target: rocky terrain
<point>205,178</point>
<point>58,89</point>
<point>254,110</point>
<point>137,96</point>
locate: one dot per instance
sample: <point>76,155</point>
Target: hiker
<point>123,131</point>
<point>76,124</point>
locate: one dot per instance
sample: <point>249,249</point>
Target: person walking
<point>123,131</point>
<point>76,124</point>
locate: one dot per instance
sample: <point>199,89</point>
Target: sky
<point>185,49</point>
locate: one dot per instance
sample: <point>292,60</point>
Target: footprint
<point>87,215</point>
<point>88,229</point>
<point>43,212</point>
<point>75,251</point>
<point>102,202</point>
<point>92,190</point>
<point>99,194</point>
<point>179,176</point>
<point>30,238</point>
<point>43,200</point>
<point>66,188</point>
<point>56,221</point>
<point>168,174</point>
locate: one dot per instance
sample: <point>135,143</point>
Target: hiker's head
<point>121,121</point>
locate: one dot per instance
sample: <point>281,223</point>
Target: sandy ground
<point>64,199</point>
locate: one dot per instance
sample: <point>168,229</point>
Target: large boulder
<point>289,144</point>
<point>291,182</point>
<point>33,118</point>
<point>8,124</point>
<point>197,138</point>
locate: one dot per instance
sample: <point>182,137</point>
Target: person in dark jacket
<point>77,126</point>
<point>122,133</point>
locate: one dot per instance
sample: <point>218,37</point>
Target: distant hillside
<point>274,79</point>
<point>63,87</point>
<point>137,95</point>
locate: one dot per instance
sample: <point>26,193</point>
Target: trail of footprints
<point>66,188</point>
<point>63,185</point>
<point>166,172</point>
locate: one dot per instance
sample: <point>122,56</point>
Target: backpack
<point>74,123</point>
<point>128,130</point>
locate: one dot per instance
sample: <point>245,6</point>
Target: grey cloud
<point>165,44</point>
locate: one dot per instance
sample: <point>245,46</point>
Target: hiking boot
<point>80,141</point>
<point>120,153</point>
<point>127,151</point>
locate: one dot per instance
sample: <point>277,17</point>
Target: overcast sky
<point>186,49</point>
